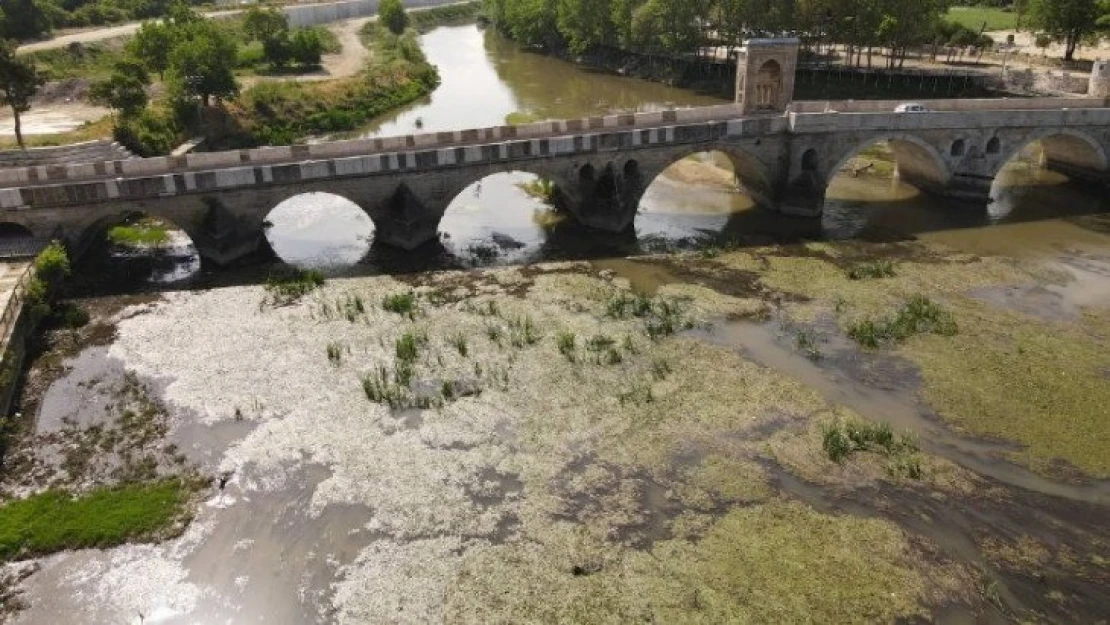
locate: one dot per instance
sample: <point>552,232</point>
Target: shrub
<point>392,14</point>
<point>842,439</point>
<point>150,133</point>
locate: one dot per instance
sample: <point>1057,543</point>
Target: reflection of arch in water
<point>501,215</point>
<point>319,230</point>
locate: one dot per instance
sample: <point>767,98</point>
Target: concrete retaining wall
<point>316,14</point>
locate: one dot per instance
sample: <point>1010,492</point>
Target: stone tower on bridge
<point>765,75</point>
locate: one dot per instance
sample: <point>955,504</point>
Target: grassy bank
<point>428,19</point>
<point>975,17</point>
<point>282,113</point>
<point>55,520</point>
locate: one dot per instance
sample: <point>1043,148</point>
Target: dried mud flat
<point>563,448</point>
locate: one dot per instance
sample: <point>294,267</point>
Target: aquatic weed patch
<point>841,439</point>
<point>289,286</point>
<point>919,315</point>
<point>57,520</point>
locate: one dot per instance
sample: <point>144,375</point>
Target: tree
<point>124,90</point>
<point>584,23</point>
<point>271,27</point>
<point>24,19</point>
<point>306,47</point>
<point>1065,20</point>
<point>200,65</point>
<point>262,24</point>
<point>392,14</point>
<point>19,81</point>
<point>152,45</point>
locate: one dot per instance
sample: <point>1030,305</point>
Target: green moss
<point>55,520</point>
<point>775,562</point>
<point>1040,384</point>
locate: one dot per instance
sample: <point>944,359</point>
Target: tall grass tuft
<point>403,304</point>
<point>567,343</point>
<point>841,439</point>
<point>876,269</point>
<point>459,342</point>
<point>919,315</point>
<point>288,286</point>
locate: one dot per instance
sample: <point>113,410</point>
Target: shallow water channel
<point>334,510</point>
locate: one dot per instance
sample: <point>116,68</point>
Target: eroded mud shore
<point>611,441</point>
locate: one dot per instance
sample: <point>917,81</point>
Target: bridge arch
<point>918,162</point>
<point>319,229</point>
<point>752,177</point>
<point>142,245</point>
<point>1066,150</point>
<point>502,214</point>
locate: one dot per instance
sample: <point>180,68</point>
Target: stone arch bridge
<point>600,166</point>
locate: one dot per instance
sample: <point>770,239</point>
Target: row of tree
<point>34,19</point>
<point>688,27</point>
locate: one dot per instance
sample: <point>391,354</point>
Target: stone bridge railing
<point>800,115</point>
<point>357,147</point>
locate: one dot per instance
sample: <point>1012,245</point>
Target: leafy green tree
<point>261,24</point>
<point>584,23</point>
<point>1068,21</point>
<point>306,46</point>
<point>392,14</point>
<point>201,64</point>
<point>532,22</point>
<point>125,90</point>
<point>19,81</point>
<point>152,44</point>
<point>271,28</point>
<point>24,19</point>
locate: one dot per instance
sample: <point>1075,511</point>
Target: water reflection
<point>486,77</point>
<point>319,231</point>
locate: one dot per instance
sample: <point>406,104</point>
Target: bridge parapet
<point>840,122</point>
<point>359,147</point>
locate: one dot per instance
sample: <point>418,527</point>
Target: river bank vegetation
<point>680,28</point>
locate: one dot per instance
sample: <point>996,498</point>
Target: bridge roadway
<point>600,166</point>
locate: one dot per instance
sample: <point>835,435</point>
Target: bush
<point>392,14</point>
<point>306,47</point>
<point>52,265</point>
<point>150,133</point>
